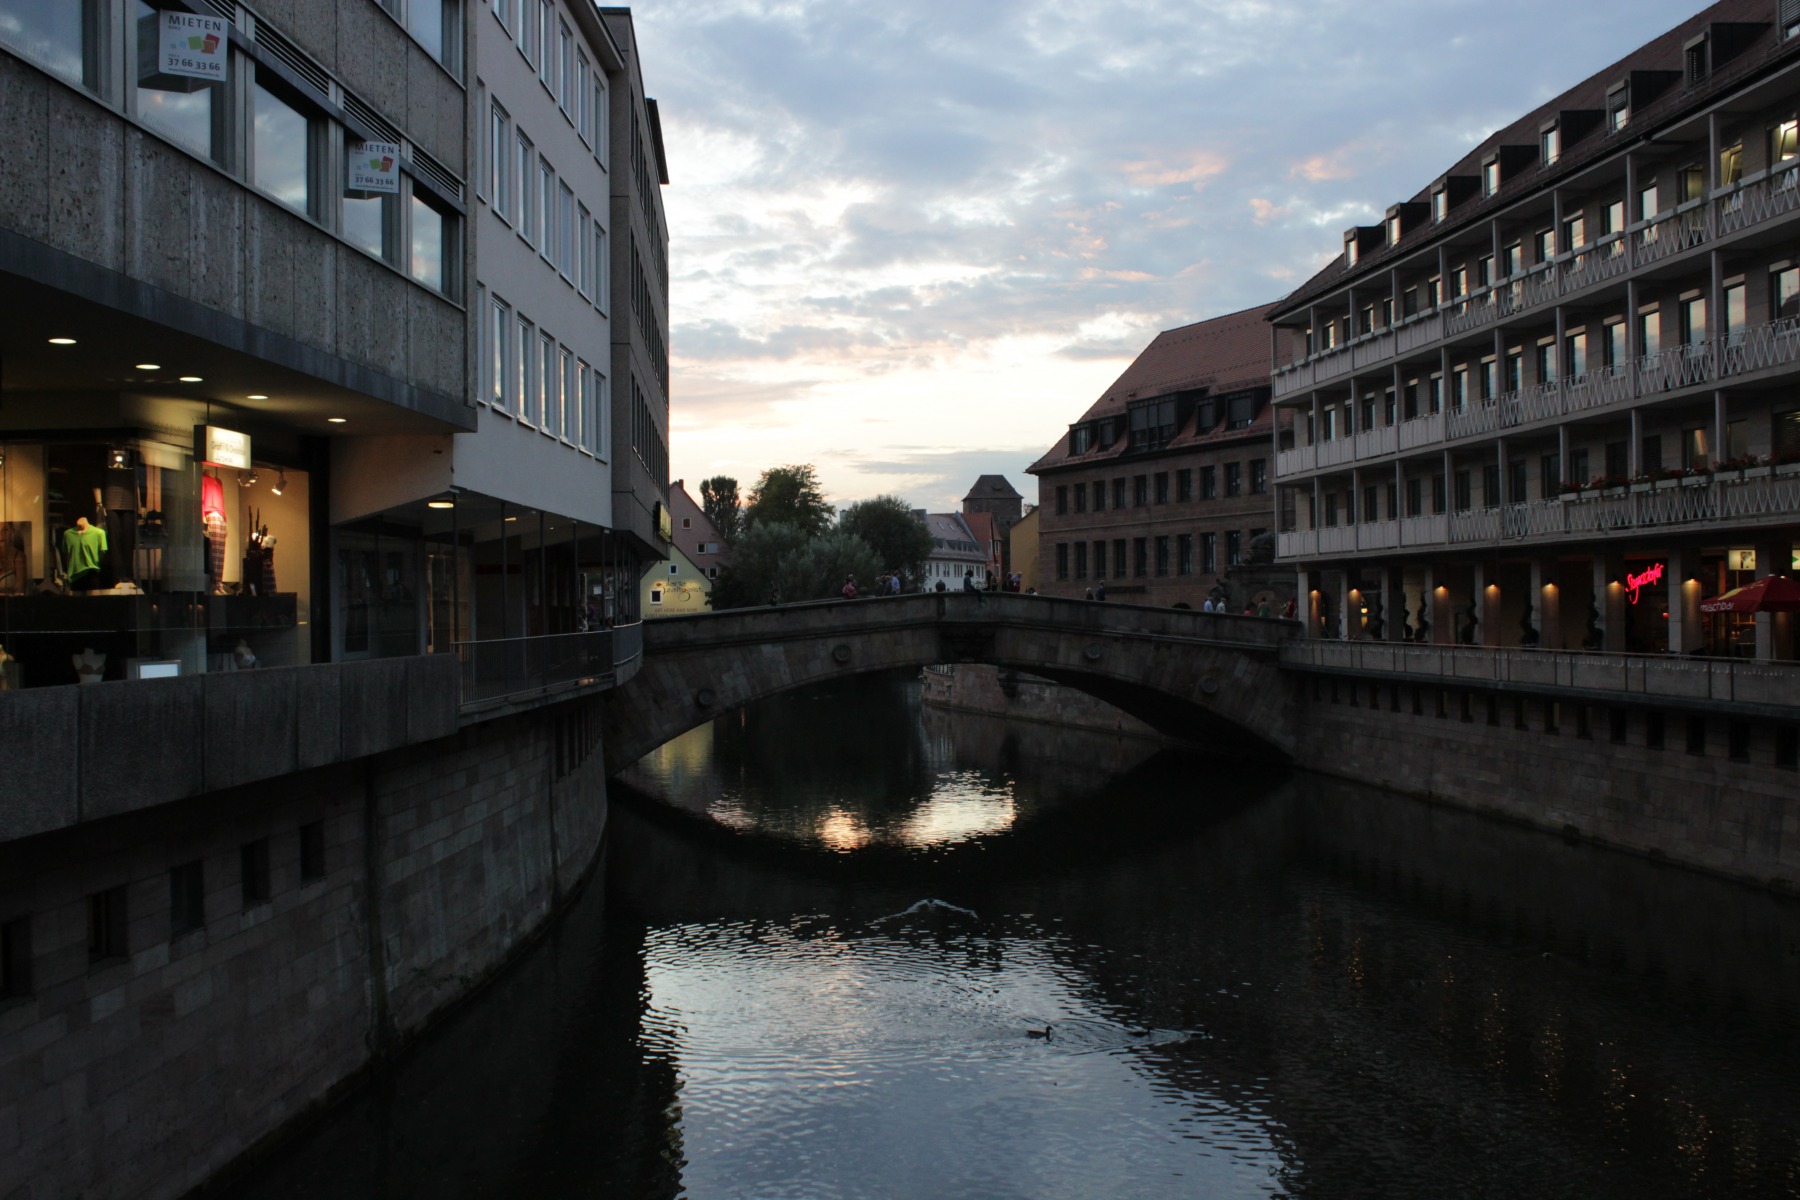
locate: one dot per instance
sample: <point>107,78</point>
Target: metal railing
<point>1648,675</point>
<point>509,668</point>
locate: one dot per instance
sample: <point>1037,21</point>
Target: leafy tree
<point>719,501</point>
<point>755,570</point>
<point>817,570</point>
<point>896,534</point>
<point>780,556</point>
<point>789,496</point>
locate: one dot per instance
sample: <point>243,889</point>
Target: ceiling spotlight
<point>335,420</point>
<point>148,367</point>
<point>62,341</point>
<point>118,458</point>
<point>246,478</point>
<point>280,484</point>
<point>443,503</point>
<point>256,396</point>
<point>190,379</point>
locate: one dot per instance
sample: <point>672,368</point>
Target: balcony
<point>1755,203</point>
<point>505,673</point>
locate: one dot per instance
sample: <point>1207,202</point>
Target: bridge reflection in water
<point>1264,985</point>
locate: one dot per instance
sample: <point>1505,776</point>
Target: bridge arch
<point>1209,678</point>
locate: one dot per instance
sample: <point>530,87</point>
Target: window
<point>1240,412</point>
<point>189,112</point>
<point>546,61</point>
<point>1440,205</point>
<point>312,851</point>
<point>1081,495</point>
<point>565,231</point>
<point>1695,56</point>
<point>602,270</point>
<point>281,150</point>
<point>1140,557</point>
<point>527,209</point>
<point>1162,487</point>
<point>1234,547</point>
<point>531,31</point>
<point>431,255</point>
<point>1081,560</point>
<point>1100,560</point>
<point>584,254</point>
<point>1618,460</point>
<point>367,217</point>
<point>1184,484</point>
<point>15,958</point>
<point>1152,424</point>
<point>1415,496</point>
<point>1118,493</point>
<point>1515,369</point>
<point>1615,344</point>
<point>1784,145</point>
<point>1062,501</point>
<point>1649,205</point>
<point>1784,288</point>
<point>1650,332</point>
<point>1162,556</point>
<point>1465,495</point>
<point>1543,246</point>
<point>549,396</point>
<point>1696,735</point>
<point>1693,321</point>
<point>431,22</point>
<point>1546,363</point>
<point>1234,479</point>
<point>523,396</point>
<point>1618,108</point>
<point>1515,482</point>
<point>1490,485</point>
<point>254,857</point>
<point>600,117</point>
<point>106,925</point>
<point>1650,457</point>
<point>1099,495</point>
<point>1731,165</point>
<point>1734,315</point>
<point>1490,177</point>
<point>499,360</point>
<point>565,68</point>
<point>1118,558</point>
<point>1062,560</point>
<point>569,425</point>
<point>1140,491</point>
<point>1575,354</point>
<point>1209,553</point>
<point>656,593</point>
<point>187,899</point>
<point>1209,483</point>
<point>1694,454</point>
<point>546,221</point>
<point>499,151</point>
<point>1371,510</point>
<point>1550,145</point>
<point>584,100</point>
<point>1690,184</point>
<point>1184,554</point>
<point>602,428</point>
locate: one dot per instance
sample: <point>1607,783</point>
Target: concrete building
<point>1162,485</point>
<point>1547,399</point>
<point>955,550</point>
<point>327,474</point>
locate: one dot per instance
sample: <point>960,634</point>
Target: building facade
<point>1162,485</point>
<point>683,582</point>
<point>955,552</point>
<point>994,498</point>
<point>1549,400</point>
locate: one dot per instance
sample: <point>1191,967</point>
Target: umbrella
<point>1772,593</point>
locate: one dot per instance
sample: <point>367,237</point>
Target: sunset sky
<point>911,241</point>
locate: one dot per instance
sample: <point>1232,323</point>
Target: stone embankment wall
<point>1707,791</point>
<point>974,687</point>
<point>144,1061</point>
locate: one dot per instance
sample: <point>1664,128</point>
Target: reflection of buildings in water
<point>1050,763</point>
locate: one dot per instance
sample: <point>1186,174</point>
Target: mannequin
<point>84,550</point>
<point>120,497</point>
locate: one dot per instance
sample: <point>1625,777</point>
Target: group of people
<point>886,585</point>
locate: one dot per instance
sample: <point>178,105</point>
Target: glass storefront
<point>124,558</point>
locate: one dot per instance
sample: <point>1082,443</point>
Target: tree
<point>755,570</point>
<point>817,570</point>
<point>893,531</point>
<point>789,496</point>
<point>781,557</point>
<point>719,501</point>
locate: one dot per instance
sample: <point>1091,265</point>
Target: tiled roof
<point>1663,53</point>
<point>992,487</point>
<point>1223,354</point>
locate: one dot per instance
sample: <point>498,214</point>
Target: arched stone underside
<point>1207,678</point>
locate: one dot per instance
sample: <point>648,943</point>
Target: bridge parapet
<point>1205,677</point>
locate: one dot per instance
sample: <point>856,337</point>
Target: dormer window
<point>1490,177</point>
<point>1350,249</point>
<point>1393,230</point>
<point>1698,61</point>
<point>1618,107</point>
<point>1440,204</point>
<point>1081,439</point>
<point>1550,145</point>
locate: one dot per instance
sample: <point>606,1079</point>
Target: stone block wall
<point>976,687</point>
<point>1546,763</point>
<point>147,1072</point>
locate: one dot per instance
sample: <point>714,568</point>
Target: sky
<point>912,240</point>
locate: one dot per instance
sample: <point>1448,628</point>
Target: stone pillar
<point>1303,602</point>
<point>1609,593</point>
<point>1341,594</point>
<point>1546,599</point>
<point>1485,593</point>
<point>1773,633</point>
<point>1683,598</point>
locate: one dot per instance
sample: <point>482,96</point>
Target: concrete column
<point>1634,452</point>
<point>1719,449</point>
<point>1304,606</point>
<point>1395,611</point>
<point>1428,602</point>
<point>1546,600</point>
<point>1341,594</point>
<point>1486,595</point>
<point>1683,598</point>
<point>1773,632</point>
<point>1609,592</point>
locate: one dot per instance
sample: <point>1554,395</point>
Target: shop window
<point>187,899</point>
<point>15,959</point>
<point>189,112</point>
<point>281,143</point>
<point>255,878</point>
<point>312,851</point>
<point>106,925</point>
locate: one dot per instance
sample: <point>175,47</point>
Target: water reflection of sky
<point>875,1062</point>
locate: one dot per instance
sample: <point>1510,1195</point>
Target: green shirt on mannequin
<point>84,548</point>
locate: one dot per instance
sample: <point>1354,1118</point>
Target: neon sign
<point>1651,574</point>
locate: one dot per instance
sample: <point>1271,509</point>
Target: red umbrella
<point>1773,593</point>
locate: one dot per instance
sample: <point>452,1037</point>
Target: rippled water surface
<point>843,948</point>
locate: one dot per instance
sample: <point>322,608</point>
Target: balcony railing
<point>1649,675</point>
<point>1764,495</point>
<point>1296,459</point>
<point>1751,205</point>
<point>1608,385</point>
<point>504,669</point>
<point>1422,431</point>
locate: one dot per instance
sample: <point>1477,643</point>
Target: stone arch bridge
<point>1206,678</point>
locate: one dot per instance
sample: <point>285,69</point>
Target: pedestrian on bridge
<point>849,592</point>
<point>969,584</point>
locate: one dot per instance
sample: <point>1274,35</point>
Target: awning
<point>1773,593</point>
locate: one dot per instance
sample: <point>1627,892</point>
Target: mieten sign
<point>193,45</point>
<point>375,167</point>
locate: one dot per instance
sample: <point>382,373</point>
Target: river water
<point>844,947</point>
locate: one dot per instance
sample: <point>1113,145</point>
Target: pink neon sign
<point>1652,574</point>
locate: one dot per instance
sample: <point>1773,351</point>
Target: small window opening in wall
<point>187,898</point>
<point>1584,724</point>
<point>1334,692</point>
<point>1352,691</point>
<point>312,851</point>
<point>1468,707</point>
<point>1552,716</point>
<point>1418,701</point>
<point>1739,732</point>
<point>1519,721</point>
<point>1653,730</point>
<point>1493,710</point>
<point>1696,735</point>
<point>106,924</point>
<point>15,958</point>
<point>1375,696</point>
<point>1787,746</point>
<point>1616,719</point>
<point>1443,703</point>
<point>255,857</point>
